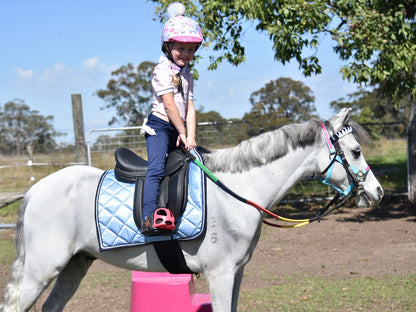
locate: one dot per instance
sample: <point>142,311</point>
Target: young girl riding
<point>172,108</point>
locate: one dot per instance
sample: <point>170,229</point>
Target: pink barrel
<point>161,292</point>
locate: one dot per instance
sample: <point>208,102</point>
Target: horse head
<point>343,166</point>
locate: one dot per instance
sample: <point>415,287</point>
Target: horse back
<point>61,205</point>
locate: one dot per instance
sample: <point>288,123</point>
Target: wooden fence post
<point>80,147</point>
<point>411,152</point>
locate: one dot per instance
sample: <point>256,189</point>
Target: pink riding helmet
<point>181,29</point>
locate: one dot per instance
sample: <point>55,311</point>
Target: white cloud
<point>91,62</point>
<point>59,77</point>
<point>55,77</point>
<point>24,74</point>
<point>94,71</point>
<point>59,67</point>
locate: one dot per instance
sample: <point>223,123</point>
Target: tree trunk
<point>411,152</point>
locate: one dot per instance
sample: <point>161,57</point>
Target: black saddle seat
<point>129,165</point>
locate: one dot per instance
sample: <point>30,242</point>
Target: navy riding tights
<point>158,146</point>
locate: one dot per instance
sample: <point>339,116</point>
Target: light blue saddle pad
<point>114,212</point>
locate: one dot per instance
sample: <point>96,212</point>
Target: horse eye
<point>356,153</point>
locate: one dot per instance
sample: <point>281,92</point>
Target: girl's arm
<point>174,117</point>
<point>191,124</point>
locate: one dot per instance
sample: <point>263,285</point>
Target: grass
<point>391,171</point>
<point>6,247</point>
<point>318,294</point>
<point>106,280</point>
<point>9,213</point>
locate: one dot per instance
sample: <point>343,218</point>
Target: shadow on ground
<point>391,207</point>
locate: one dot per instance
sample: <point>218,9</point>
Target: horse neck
<point>267,184</point>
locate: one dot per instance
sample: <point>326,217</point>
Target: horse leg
<point>224,288</point>
<point>42,264</point>
<point>67,283</point>
<point>33,285</point>
<point>236,289</point>
<point>27,285</point>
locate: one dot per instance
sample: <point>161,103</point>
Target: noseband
<point>338,155</point>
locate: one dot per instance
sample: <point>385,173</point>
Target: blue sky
<point>52,49</point>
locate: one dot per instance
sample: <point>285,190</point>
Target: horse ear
<point>341,119</point>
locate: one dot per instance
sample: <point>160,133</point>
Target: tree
<point>374,106</point>
<point>130,93</point>
<point>24,129</point>
<point>376,39</point>
<point>202,116</point>
<point>279,102</point>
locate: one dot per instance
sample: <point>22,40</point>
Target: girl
<point>172,107</point>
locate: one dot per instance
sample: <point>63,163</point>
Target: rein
<point>339,199</point>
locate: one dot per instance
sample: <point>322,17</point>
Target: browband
<point>343,132</point>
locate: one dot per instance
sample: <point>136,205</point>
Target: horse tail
<point>11,298</point>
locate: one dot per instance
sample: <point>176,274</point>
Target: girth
<point>173,191</point>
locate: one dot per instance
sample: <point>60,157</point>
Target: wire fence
<point>386,154</point>
<point>102,143</point>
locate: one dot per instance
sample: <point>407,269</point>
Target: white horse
<point>56,234</point>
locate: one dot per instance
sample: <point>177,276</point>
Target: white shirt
<point>163,83</point>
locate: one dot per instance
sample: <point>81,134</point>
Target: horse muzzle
<point>366,198</point>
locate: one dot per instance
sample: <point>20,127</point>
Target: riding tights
<point>158,146</point>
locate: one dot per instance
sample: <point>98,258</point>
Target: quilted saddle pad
<point>114,212</point>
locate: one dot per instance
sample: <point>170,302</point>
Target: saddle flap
<point>177,158</point>
<point>173,190</point>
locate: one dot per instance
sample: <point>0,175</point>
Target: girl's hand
<point>182,139</point>
<point>191,143</point>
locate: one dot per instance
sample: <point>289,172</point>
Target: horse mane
<point>269,146</point>
<point>360,134</point>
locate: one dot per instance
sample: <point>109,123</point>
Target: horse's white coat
<point>59,238</point>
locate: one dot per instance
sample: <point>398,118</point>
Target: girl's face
<point>183,53</point>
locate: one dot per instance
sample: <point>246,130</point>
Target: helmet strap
<point>167,49</point>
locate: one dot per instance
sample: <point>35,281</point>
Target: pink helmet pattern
<point>180,28</point>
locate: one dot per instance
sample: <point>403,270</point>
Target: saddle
<point>131,168</point>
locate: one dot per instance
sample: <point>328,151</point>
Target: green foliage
<point>376,39</point>
<point>280,102</point>
<point>130,93</point>
<point>211,116</point>
<point>25,130</point>
<point>213,130</point>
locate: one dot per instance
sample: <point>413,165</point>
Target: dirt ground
<point>352,243</point>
